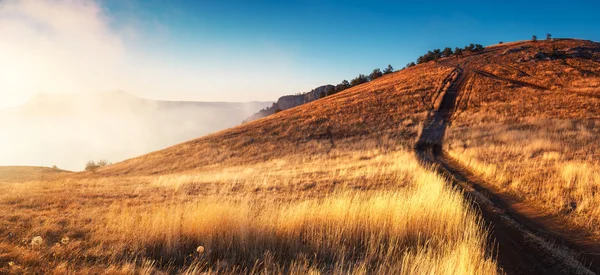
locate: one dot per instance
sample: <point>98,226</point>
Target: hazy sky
<point>242,51</point>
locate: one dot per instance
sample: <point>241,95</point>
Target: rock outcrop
<point>291,101</point>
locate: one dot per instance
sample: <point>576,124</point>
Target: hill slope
<point>28,173</point>
<point>380,178</point>
<point>386,112</point>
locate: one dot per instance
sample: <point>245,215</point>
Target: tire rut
<point>520,246</point>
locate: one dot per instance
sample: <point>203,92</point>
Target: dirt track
<point>523,242</point>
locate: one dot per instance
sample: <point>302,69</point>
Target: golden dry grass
<point>363,212</point>
<point>382,114</point>
<point>531,126</point>
<point>562,88</point>
<point>28,173</point>
<point>552,164</point>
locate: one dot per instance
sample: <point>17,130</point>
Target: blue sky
<point>339,39</point>
<point>260,50</point>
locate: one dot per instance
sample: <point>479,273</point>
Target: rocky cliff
<point>291,101</point>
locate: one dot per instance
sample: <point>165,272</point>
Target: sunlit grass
<point>385,214</point>
<point>550,164</point>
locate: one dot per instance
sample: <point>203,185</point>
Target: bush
<point>92,166</point>
<point>470,48</point>
<point>340,87</point>
<point>375,74</point>
<point>429,56</point>
<point>534,38</point>
<point>447,52</point>
<point>388,70</point>
<point>360,79</point>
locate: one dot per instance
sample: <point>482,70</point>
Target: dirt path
<point>523,244</point>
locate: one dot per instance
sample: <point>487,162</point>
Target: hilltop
<point>29,173</point>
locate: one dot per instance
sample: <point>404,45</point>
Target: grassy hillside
<point>382,114</point>
<point>29,173</point>
<point>333,186</point>
<point>531,127</point>
<point>386,112</point>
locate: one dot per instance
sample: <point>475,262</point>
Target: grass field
<point>358,212</point>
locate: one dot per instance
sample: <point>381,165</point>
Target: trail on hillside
<point>521,244</point>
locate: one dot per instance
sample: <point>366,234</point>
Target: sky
<point>247,50</point>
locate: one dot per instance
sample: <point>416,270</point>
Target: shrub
<point>470,48</point>
<point>447,52</point>
<point>437,54</point>
<point>375,74</point>
<point>360,79</point>
<point>340,87</point>
<point>388,70</point>
<point>534,38</point>
<point>91,166</point>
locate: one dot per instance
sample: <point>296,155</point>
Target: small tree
<point>91,166</point>
<point>500,42</point>
<point>388,70</point>
<point>478,48</point>
<point>470,48</point>
<point>360,79</point>
<point>437,54</point>
<point>340,87</point>
<point>375,74</point>
<point>410,64</point>
<point>447,52</point>
<point>55,167</point>
<point>534,38</point>
<point>548,36</point>
<point>458,51</point>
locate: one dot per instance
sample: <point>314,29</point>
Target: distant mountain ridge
<point>67,130</point>
<point>291,101</point>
